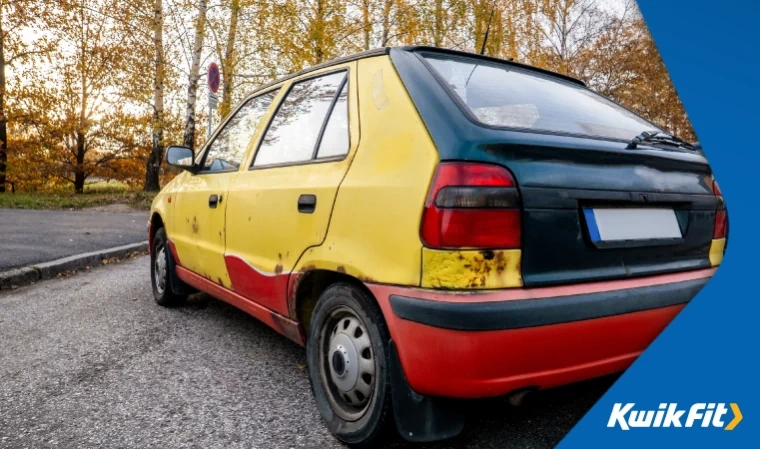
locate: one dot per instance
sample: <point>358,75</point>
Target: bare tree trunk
<point>157,153</point>
<point>79,176</point>
<point>3,118</point>
<point>387,8</point>
<point>366,24</point>
<point>479,30</point>
<point>229,63</point>
<point>319,18</point>
<point>81,132</point>
<point>438,24</point>
<point>192,89</point>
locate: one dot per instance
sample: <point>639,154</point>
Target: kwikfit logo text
<point>701,414</point>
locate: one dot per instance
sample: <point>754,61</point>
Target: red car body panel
<point>285,326</point>
<point>472,364</point>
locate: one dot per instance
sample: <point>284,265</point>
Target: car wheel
<point>349,361</point>
<point>160,272</point>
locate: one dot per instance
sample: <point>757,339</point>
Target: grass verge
<point>136,199</point>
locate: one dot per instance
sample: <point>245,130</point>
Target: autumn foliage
<point>98,88</point>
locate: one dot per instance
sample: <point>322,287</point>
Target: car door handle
<point>307,204</point>
<point>213,200</point>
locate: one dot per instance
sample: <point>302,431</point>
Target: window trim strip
<point>328,116</point>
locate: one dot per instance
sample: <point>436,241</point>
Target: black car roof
<point>490,59</point>
<point>414,48</point>
<point>343,59</point>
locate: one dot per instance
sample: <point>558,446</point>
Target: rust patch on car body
<point>287,328</point>
<point>471,269</point>
<point>294,282</point>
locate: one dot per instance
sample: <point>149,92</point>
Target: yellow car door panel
<point>183,235</point>
<point>202,200</point>
<point>204,221</point>
<point>194,219</point>
<point>282,205</point>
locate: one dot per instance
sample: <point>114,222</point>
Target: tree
<point>486,18</point>
<point>153,167</point>
<point>88,66</point>
<point>229,59</point>
<point>102,84</point>
<point>636,77</point>
<point>34,163</point>
<point>623,63</point>
<point>15,17</point>
<point>307,33</point>
<point>192,87</point>
<point>441,22</point>
<point>3,117</point>
<point>569,27</point>
<point>381,23</point>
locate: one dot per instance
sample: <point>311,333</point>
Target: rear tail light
<point>721,217</point>
<point>472,206</point>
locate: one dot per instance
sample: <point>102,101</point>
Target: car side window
<point>227,151</point>
<point>295,129</point>
<point>335,139</point>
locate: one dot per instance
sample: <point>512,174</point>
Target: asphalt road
<point>34,236</point>
<point>92,361</point>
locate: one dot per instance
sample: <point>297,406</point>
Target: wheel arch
<point>307,287</point>
<point>155,223</point>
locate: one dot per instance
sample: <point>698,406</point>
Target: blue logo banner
<point>697,384</point>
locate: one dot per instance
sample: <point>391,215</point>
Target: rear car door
<point>201,200</point>
<point>281,204</point>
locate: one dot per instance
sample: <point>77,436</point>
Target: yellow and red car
<point>435,225</point>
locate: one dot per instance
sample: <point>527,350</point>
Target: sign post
<point>213,88</point>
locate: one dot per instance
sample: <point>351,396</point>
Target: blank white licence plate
<point>616,224</point>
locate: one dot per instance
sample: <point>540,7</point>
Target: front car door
<point>202,199</point>
<point>281,204</point>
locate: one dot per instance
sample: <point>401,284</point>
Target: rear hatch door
<point>593,209</point>
<point>593,214</point>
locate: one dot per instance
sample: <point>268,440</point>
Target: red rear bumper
<point>492,343</point>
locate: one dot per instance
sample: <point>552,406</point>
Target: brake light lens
<point>721,217</point>
<point>472,206</point>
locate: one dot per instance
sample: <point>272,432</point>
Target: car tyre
<point>160,272</point>
<point>349,366</point>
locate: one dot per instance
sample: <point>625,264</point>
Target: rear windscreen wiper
<point>658,136</point>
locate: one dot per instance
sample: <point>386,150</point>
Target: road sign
<point>213,87</point>
<point>213,100</point>
<point>213,77</point>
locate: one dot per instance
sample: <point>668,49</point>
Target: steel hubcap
<point>349,360</point>
<point>344,368</point>
<point>159,269</point>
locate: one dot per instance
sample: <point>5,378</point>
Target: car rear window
<point>506,96</point>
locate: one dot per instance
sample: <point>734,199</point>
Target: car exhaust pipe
<point>516,398</point>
